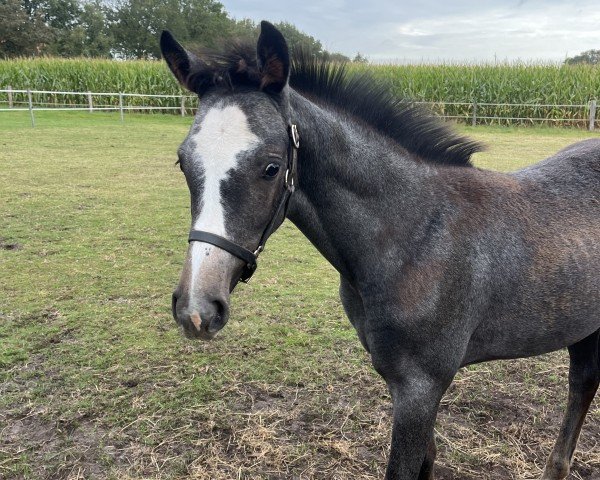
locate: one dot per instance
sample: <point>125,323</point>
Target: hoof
<point>556,470</point>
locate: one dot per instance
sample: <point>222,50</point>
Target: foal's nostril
<point>217,313</point>
<point>219,307</point>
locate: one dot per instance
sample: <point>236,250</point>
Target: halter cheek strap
<point>289,186</point>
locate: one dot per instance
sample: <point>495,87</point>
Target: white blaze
<point>224,133</point>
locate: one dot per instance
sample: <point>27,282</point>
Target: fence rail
<point>583,115</point>
<point>15,100</point>
<point>474,113</point>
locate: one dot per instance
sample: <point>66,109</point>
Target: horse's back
<point>574,167</point>
<point>563,191</point>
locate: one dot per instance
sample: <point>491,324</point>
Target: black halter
<point>236,250</point>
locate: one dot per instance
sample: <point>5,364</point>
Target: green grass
<point>96,379</point>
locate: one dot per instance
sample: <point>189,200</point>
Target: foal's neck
<point>360,195</point>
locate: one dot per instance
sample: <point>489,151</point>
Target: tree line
<point>126,29</point>
<point>589,57</point>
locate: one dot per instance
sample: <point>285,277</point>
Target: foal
<point>441,264</point>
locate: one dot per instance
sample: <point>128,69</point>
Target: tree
<point>53,27</point>
<point>136,24</point>
<point>591,57</point>
<point>295,38</point>
<point>62,17</point>
<point>60,14</point>
<point>93,20</point>
<point>359,58</point>
<point>246,29</point>
<point>127,28</point>
<point>88,35</point>
<point>22,33</point>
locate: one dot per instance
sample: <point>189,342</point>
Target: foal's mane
<point>357,93</point>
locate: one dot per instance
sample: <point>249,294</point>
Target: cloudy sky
<point>434,30</point>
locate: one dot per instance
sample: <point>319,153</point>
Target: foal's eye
<point>271,171</point>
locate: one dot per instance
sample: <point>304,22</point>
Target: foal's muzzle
<point>202,321</point>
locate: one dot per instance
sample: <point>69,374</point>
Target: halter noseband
<point>240,252</point>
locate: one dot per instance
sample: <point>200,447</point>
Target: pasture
<point>96,381</point>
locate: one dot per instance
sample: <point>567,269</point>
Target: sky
<point>439,30</point>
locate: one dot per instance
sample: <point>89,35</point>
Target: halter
<point>248,256</point>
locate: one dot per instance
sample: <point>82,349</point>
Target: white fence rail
<point>12,100</point>
<point>15,100</point>
<point>474,113</point>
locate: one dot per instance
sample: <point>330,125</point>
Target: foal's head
<point>235,161</point>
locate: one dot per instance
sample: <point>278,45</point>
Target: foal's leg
<point>417,378</point>
<point>355,311</point>
<point>416,399</point>
<point>427,469</point>
<point>584,377</point>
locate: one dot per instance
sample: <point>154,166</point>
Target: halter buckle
<point>289,181</point>
<point>294,135</point>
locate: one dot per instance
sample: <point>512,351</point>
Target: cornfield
<point>560,92</point>
<point>557,91</point>
<point>93,75</point>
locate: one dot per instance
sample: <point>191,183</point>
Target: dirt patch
<point>75,448</point>
<point>4,245</point>
<point>296,432</point>
<point>56,450</point>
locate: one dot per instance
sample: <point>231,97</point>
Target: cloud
<point>439,30</point>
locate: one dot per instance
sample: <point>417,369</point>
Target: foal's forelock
<point>223,137</point>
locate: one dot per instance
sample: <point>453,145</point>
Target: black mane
<point>359,94</point>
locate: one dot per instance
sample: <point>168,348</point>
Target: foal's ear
<point>273,58</point>
<point>186,66</point>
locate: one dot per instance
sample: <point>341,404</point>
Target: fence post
<point>30,107</point>
<point>10,97</point>
<point>592,115</point>
<point>474,114</point>
<point>121,106</point>
<point>91,105</point>
<point>182,106</point>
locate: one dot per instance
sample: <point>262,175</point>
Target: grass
<point>96,381</point>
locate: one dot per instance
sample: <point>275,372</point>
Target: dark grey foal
<point>441,264</point>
